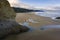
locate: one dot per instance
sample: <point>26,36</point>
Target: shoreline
<point>23,17</point>
<point>37,34</point>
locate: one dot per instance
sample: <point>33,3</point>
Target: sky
<point>42,3</point>
<point>19,3</point>
<point>36,3</point>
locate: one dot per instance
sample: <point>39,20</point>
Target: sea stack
<point>8,25</point>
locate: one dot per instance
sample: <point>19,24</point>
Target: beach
<point>36,22</point>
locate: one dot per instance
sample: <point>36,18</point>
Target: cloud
<point>49,7</point>
<point>17,3</point>
<point>13,2</point>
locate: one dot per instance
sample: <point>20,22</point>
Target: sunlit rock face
<point>7,23</point>
<point>6,12</point>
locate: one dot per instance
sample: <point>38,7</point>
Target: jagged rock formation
<point>7,23</point>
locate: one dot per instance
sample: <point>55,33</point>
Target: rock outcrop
<point>6,12</point>
<point>57,17</point>
<point>8,25</point>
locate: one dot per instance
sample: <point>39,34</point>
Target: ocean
<point>52,15</point>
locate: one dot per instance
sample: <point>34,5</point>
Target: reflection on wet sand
<point>47,27</point>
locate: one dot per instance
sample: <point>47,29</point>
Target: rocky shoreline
<point>8,25</point>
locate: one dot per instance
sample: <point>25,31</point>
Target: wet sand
<point>23,17</point>
<point>37,34</point>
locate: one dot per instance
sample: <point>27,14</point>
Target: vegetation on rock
<point>22,10</point>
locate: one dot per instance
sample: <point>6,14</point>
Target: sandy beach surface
<point>40,20</point>
<point>37,22</point>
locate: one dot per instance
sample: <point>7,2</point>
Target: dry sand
<point>52,34</point>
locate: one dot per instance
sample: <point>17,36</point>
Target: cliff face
<point>6,12</point>
<point>8,26</point>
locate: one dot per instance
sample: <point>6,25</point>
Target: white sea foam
<point>52,15</point>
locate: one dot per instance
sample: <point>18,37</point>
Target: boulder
<point>8,25</point>
<point>57,17</point>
